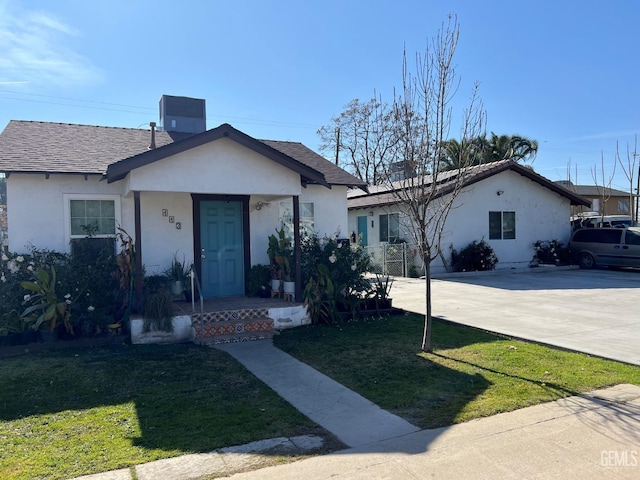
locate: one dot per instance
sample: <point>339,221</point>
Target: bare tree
<point>423,112</point>
<point>629,169</point>
<point>362,138</point>
<point>603,185</point>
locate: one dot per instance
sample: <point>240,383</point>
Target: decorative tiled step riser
<point>221,331</point>
<point>231,315</point>
<point>234,328</point>
<point>235,338</point>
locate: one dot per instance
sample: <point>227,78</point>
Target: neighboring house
<point>603,200</point>
<point>213,196</point>
<point>505,203</point>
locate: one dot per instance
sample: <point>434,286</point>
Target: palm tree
<point>463,154</point>
<point>513,147</point>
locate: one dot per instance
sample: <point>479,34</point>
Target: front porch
<point>226,320</point>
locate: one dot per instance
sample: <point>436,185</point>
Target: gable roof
<point>45,147</point>
<point>594,190</point>
<point>383,195</point>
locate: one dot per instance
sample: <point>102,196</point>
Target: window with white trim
<point>389,227</point>
<point>90,221</point>
<point>307,218</point>
<point>502,225</point>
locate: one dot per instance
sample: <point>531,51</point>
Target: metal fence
<point>394,259</point>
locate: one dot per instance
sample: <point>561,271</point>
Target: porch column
<point>297,251</point>
<point>137,279</point>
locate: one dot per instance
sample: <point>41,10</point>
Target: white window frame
<point>286,219</point>
<point>67,197</point>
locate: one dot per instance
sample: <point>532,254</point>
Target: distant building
<point>605,201</point>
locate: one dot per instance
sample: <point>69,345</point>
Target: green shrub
<point>333,275</point>
<point>551,252</point>
<point>259,280</point>
<point>88,280</point>
<point>475,257</point>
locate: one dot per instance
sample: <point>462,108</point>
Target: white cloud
<point>36,49</point>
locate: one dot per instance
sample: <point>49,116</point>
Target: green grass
<point>68,413</point>
<point>470,373</point>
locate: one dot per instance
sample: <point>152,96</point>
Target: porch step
<point>232,326</point>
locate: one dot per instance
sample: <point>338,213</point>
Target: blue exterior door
<point>362,230</point>
<point>222,249</point>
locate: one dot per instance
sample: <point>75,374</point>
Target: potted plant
<point>279,258</point>
<point>288,285</point>
<point>178,274</point>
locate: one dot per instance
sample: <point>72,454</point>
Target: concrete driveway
<point>592,311</point>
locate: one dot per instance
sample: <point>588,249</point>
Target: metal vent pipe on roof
<point>152,145</point>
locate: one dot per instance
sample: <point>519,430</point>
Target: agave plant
<point>45,305</point>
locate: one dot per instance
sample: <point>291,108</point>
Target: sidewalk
<point>584,437</point>
<point>590,436</point>
<point>350,417</point>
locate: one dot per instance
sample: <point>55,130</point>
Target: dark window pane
<point>384,228</point>
<point>508,225</point>
<point>394,227</point>
<point>632,238</point>
<point>495,225</point>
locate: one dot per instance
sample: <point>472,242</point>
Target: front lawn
<point>470,373</point>
<point>77,411</point>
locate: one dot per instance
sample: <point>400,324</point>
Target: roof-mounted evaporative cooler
<point>182,114</point>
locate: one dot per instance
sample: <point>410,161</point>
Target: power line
<point>142,110</point>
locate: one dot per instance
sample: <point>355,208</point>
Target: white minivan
<point>610,247</point>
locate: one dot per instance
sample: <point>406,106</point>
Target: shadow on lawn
<point>186,398</point>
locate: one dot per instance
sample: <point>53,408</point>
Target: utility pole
<point>637,193</point>
<point>337,144</point>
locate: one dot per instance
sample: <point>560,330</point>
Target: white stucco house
<point>213,196</point>
<point>505,203</point>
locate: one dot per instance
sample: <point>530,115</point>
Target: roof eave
<point>119,170</point>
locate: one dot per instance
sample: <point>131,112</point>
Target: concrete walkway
<point>352,418</point>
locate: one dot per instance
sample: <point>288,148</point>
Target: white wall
<point>330,216</point>
<point>540,215</point>
<point>222,167</point>
<point>36,214</point>
<point>35,208</point>
<point>160,238</point>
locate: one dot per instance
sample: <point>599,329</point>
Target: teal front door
<point>362,230</point>
<point>222,249</point>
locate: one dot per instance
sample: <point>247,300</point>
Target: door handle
<point>203,256</point>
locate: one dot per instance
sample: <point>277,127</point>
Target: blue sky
<point>563,73</point>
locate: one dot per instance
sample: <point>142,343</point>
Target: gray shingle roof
<point>27,146</point>
<point>44,147</point>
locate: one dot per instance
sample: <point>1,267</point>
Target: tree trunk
<point>426,336</point>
